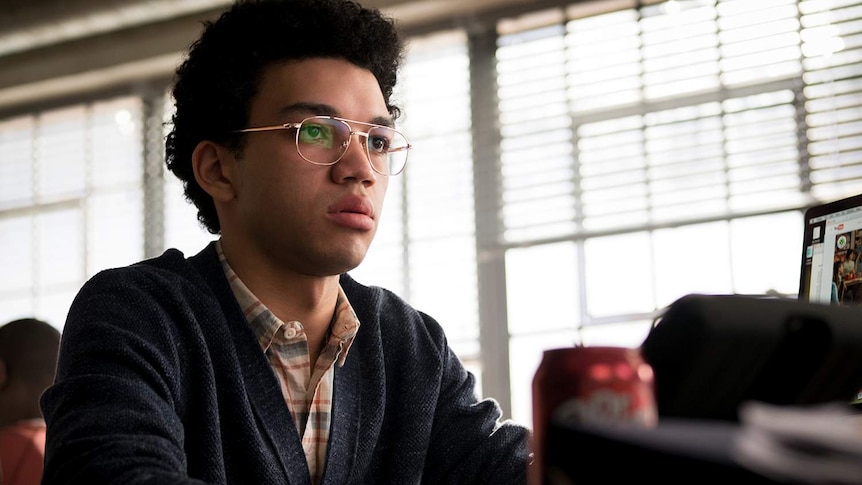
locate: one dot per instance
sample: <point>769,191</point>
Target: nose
<point>355,164</point>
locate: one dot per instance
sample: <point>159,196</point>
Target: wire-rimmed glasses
<point>323,140</point>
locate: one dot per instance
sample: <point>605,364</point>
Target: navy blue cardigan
<point>160,380</point>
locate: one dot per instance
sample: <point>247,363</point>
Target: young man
<point>258,360</point>
<point>28,357</point>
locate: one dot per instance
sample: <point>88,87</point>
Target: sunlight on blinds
<point>61,154</point>
<point>680,49</point>
<point>536,149</point>
<point>677,114</point>
<point>71,203</point>
<point>59,264</point>
<point>17,180</point>
<point>762,152</point>
<point>16,259</point>
<point>832,45</point>
<point>16,161</point>
<point>115,207</point>
<point>604,61</point>
<point>759,41</point>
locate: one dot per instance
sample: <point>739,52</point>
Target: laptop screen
<point>832,253</point>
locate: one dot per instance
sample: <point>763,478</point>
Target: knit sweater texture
<point>160,380</point>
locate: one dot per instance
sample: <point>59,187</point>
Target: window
<point>71,203</point>
<point>656,151</point>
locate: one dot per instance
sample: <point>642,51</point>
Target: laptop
<point>832,253</point>
<point>831,271</point>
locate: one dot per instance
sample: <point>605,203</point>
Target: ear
<point>215,170</point>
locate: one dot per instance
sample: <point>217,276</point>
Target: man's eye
<point>315,134</point>
<point>379,144</point>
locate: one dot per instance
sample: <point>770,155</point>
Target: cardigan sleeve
<point>112,413</point>
<point>160,380</point>
<point>417,416</point>
<point>470,443</point>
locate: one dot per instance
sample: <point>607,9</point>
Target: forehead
<point>346,89</point>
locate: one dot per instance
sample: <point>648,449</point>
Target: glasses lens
<point>387,150</point>
<point>322,140</point>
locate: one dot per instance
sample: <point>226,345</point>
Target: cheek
<point>286,192</point>
<point>266,191</point>
<point>276,171</point>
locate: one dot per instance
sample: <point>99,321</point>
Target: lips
<point>353,212</point>
<point>353,204</point>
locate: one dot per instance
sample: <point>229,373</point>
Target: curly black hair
<point>214,86</point>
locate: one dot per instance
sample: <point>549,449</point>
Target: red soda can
<point>597,385</point>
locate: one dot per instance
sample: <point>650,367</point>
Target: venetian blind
<point>626,120</point>
<point>654,149</point>
<point>71,203</point>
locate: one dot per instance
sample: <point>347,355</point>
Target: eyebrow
<point>320,109</point>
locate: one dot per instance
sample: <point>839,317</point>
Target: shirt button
<point>289,332</point>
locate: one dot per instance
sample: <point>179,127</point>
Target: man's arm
<point>470,443</point>
<point>112,412</point>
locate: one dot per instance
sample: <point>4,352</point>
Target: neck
<point>289,295</point>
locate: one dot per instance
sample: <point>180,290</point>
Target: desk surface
<point>676,452</point>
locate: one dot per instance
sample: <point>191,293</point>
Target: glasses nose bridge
<point>361,134</point>
<point>345,145</point>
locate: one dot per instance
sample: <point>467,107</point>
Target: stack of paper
<point>818,444</point>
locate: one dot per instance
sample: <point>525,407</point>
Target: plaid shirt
<point>308,394</point>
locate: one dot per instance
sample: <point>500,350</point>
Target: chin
<point>351,266</point>
<point>340,264</point>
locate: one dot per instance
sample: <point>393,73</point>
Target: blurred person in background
<point>839,287</point>
<point>28,358</point>
<point>259,360</point>
<point>850,263</point>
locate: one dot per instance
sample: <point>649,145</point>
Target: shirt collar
<point>265,325</point>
